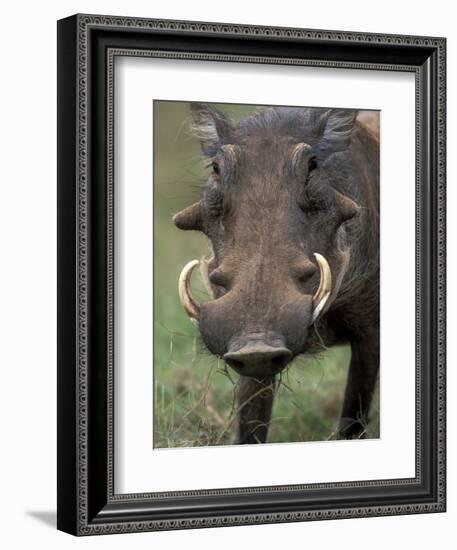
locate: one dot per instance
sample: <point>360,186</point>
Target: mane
<point>296,122</point>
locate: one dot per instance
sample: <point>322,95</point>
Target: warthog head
<point>276,221</point>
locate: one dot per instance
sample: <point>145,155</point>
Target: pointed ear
<point>211,126</point>
<point>336,127</point>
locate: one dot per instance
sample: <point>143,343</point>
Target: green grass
<point>195,405</point>
<point>193,391</point>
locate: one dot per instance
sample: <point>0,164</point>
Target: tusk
<point>325,287</point>
<point>204,273</point>
<point>188,302</point>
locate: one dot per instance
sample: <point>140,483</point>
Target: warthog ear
<point>189,218</point>
<point>211,126</point>
<point>336,129</point>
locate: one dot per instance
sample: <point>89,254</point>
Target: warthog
<point>291,209</point>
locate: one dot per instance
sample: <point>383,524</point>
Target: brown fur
<point>286,183</point>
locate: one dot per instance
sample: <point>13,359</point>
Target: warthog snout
<point>258,359</point>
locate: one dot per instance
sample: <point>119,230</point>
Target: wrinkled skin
<point>285,184</point>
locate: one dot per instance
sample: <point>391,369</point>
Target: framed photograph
<point>251,274</point>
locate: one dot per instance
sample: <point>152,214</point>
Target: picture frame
<point>87,500</point>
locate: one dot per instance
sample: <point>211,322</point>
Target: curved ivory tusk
<point>188,302</point>
<point>204,273</point>
<point>325,287</point>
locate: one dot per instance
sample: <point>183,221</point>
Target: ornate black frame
<point>87,45</point>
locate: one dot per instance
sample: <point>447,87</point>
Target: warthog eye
<point>216,168</point>
<point>312,164</point>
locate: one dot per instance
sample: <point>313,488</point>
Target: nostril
<point>235,364</point>
<point>279,362</point>
<point>258,359</point>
